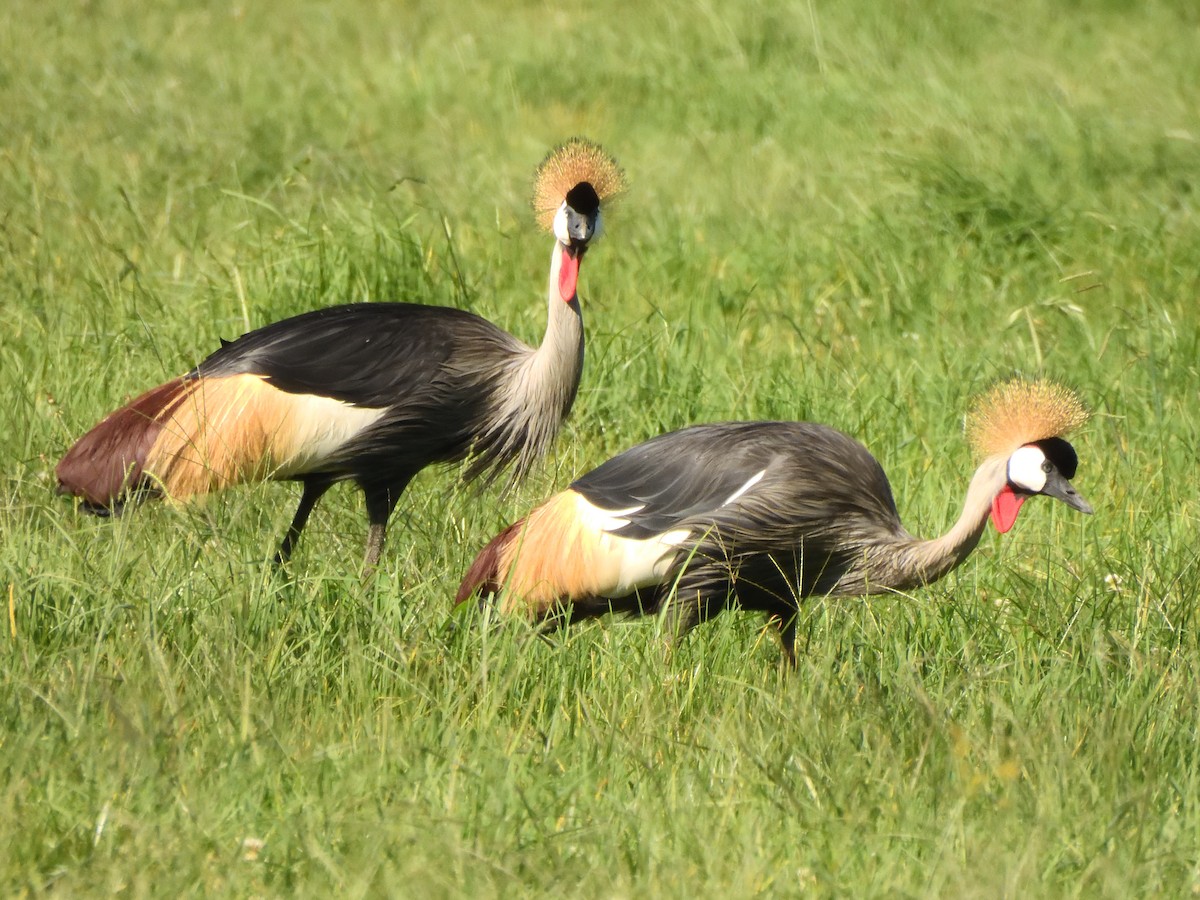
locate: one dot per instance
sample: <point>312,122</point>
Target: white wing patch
<point>604,519</point>
<point>625,564</point>
<point>754,479</point>
<point>320,426</point>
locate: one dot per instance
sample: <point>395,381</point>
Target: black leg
<point>787,634</point>
<point>381,500</point>
<point>696,594</point>
<point>681,614</point>
<point>314,490</point>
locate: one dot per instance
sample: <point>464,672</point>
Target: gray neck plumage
<point>919,562</point>
<point>557,365</point>
<point>541,383</point>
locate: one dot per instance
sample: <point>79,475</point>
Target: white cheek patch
<point>564,235</point>
<point>560,225</point>
<point>1025,469</point>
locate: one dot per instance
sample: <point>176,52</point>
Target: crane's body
<point>753,514</point>
<point>368,392</point>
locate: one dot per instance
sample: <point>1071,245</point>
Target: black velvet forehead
<point>583,199</point>
<point>1061,454</point>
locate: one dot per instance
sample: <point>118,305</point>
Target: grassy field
<point>857,213</point>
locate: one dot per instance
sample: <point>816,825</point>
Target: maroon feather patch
<point>107,462</point>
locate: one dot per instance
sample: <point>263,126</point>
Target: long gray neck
<point>539,386</point>
<point>925,561</point>
<point>554,370</point>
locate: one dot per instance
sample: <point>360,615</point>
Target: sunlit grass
<point>860,214</point>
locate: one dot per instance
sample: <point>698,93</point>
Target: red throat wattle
<point>568,275</point>
<point>1005,506</point>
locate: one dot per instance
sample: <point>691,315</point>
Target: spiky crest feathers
<point>574,162</point>
<point>1020,411</point>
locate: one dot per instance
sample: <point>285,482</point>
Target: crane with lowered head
<point>760,515</point>
<point>366,392</point>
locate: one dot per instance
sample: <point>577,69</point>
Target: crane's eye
<point>1047,466</point>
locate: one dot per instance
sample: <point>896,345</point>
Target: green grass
<point>858,213</point>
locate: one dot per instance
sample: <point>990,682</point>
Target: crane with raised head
<point>760,515</point>
<point>366,392</point>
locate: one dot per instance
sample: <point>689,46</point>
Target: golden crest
<point>1019,412</point>
<point>576,161</point>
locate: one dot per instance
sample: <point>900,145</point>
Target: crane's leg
<point>314,490</point>
<point>680,615</point>
<point>381,500</point>
<point>684,608</point>
<point>787,634</point>
<point>694,595</point>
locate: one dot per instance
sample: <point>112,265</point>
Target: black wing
<point>694,472</point>
<point>363,353</point>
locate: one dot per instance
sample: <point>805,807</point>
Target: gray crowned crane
<point>366,392</point>
<point>761,515</point>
